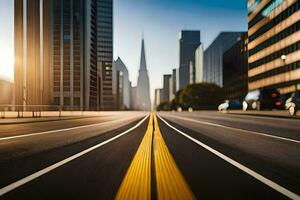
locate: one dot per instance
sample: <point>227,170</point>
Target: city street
<point>164,155</point>
<point>150,100</point>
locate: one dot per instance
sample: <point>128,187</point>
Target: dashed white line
<point>35,175</point>
<point>237,129</point>
<point>245,169</point>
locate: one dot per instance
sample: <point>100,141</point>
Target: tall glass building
<point>166,88</point>
<point>235,70</point>
<point>105,52</point>
<point>274,44</point>
<point>73,54</point>
<point>121,67</point>
<point>213,56</point>
<point>188,43</point>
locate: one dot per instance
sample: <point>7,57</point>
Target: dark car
<point>262,99</point>
<point>292,104</point>
<point>230,105</point>
<point>282,100</point>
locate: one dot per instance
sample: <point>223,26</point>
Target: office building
<point>213,56</point>
<point>174,84</point>
<point>171,92</point>
<point>235,70</point>
<point>31,51</point>
<point>115,85</point>
<point>133,102</point>
<point>119,90</point>
<point>192,75</point>
<point>157,97</point>
<point>166,88</point>
<point>199,65</point>
<point>274,45</point>
<point>143,85</point>
<point>104,25</point>
<point>196,67</point>
<point>73,54</point>
<point>188,43</point>
<point>120,66</point>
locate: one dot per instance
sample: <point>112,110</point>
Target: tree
<point>165,106</point>
<point>175,102</point>
<point>201,96</point>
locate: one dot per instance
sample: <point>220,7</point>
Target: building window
<point>67,37</point>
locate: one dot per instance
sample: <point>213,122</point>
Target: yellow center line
<point>170,183</point>
<point>169,180</point>
<point>137,181</point>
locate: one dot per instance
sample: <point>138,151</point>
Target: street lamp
<point>283,58</point>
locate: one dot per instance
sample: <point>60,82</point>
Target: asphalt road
<point>200,155</point>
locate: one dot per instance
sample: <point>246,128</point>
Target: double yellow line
<point>170,183</point>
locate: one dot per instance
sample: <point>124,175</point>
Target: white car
<point>230,104</point>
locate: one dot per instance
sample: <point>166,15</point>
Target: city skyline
<point>169,20</point>
<point>150,99</point>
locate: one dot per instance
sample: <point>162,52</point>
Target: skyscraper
<point>118,89</point>
<point>120,66</point>
<point>166,88</point>
<point>274,45</point>
<point>73,54</point>
<point>235,70</point>
<point>105,52</point>
<point>213,56</point>
<point>157,97</point>
<point>133,102</point>
<point>31,41</point>
<point>143,88</point>
<point>188,43</point>
<point>174,80</point>
<point>199,64</point>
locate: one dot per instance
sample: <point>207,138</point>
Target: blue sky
<point>159,20</point>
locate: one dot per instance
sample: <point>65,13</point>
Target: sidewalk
<point>12,117</point>
<point>33,120</point>
<point>269,113</point>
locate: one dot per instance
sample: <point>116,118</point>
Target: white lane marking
<point>54,131</point>
<point>245,169</point>
<point>37,174</point>
<point>237,129</point>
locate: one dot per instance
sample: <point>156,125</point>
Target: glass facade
<point>73,50</point>
<point>166,88</point>
<point>157,97</point>
<point>188,43</point>
<point>235,69</point>
<point>213,56</point>
<point>67,56</point>
<point>105,51</point>
<point>274,44</point>
<point>174,77</point>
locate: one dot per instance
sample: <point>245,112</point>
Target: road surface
<point>165,155</point>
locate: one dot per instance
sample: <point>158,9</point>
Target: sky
<point>6,40</point>
<point>160,21</point>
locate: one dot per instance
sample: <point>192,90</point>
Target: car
<point>280,104</point>
<point>292,104</point>
<point>262,99</point>
<point>230,105</point>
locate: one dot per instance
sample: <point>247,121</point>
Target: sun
<point>6,63</point>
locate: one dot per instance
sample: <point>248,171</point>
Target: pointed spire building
<point>143,88</point>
